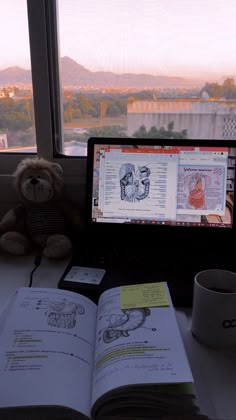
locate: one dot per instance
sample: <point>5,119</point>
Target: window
<point>142,68</point>
<point>17,129</point>
<point>42,26</point>
<point>146,68</point>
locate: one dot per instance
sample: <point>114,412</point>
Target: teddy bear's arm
<point>8,221</point>
<point>10,218</point>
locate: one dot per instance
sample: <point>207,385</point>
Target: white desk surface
<point>214,372</point>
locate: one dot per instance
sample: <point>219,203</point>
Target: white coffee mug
<point>214,308</point>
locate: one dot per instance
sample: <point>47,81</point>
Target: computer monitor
<point>158,210</point>
<point>167,184</point>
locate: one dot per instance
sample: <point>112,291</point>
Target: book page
<point>47,349</point>
<point>136,346</point>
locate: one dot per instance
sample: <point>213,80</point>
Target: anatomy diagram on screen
<point>63,314</point>
<point>120,325</point>
<point>134,183</point>
<point>196,184</point>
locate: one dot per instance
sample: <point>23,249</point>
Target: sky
<point>189,38</point>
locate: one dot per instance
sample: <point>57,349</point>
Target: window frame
<point>44,51</point>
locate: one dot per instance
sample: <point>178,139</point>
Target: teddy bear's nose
<point>34,181</point>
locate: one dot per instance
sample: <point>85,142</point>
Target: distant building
<point>3,141</point>
<point>202,118</point>
<point>6,93</point>
<point>67,94</point>
<point>205,95</point>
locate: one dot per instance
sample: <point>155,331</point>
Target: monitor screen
<point>185,183</point>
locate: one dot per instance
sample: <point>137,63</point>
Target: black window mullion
<point>40,76</point>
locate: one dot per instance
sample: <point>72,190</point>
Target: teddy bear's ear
<point>21,165</point>
<point>57,168</point>
<point>20,168</point>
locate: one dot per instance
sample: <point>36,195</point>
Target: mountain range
<point>73,74</point>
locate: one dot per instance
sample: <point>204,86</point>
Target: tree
<point>160,133</point>
<point>229,88</point>
<point>107,131</point>
<point>103,109</point>
<point>68,112</point>
<point>170,126</point>
<point>6,104</point>
<point>226,90</point>
<point>214,90</point>
<point>141,132</point>
<point>15,121</point>
<point>229,84</point>
<point>84,104</point>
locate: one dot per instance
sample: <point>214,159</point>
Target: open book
<point>73,359</point>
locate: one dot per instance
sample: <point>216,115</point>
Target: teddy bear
<point>42,218</point>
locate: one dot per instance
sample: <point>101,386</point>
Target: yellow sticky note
<point>143,296</point>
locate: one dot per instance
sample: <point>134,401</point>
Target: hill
<point>72,73</point>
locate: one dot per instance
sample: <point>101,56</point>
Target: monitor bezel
<point>166,233</point>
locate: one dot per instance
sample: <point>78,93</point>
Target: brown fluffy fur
<point>54,169</point>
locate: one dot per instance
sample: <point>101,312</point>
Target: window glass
<point>147,68</point>
<point>17,130</point>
